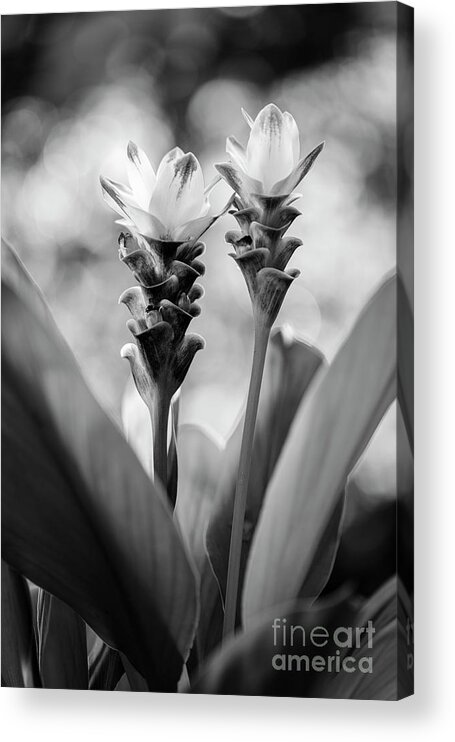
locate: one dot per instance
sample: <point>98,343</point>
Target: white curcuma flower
<point>170,204</point>
<point>270,164</point>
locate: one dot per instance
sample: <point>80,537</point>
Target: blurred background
<point>77,87</point>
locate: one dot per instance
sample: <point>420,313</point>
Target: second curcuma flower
<point>263,177</point>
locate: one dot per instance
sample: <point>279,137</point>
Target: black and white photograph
<point>208,351</point>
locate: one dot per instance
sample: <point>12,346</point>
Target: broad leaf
<point>200,462</point>
<point>325,554</point>
<point>200,457</point>
<point>349,657</point>
<point>62,644</point>
<point>81,519</point>
<point>290,367</point>
<point>19,657</point>
<point>366,555</point>
<point>330,431</point>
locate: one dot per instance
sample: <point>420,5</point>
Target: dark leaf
<point>200,457</point>
<point>105,667</point>
<point>19,657</point>
<point>200,461</point>
<point>389,682</point>
<point>81,519</point>
<point>354,653</point>
<point>249,663</point>
<point>62,644</point>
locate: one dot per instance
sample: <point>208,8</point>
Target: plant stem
<point>159,428</point>
<point>261,337</point>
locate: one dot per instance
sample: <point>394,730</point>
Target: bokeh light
<point>180,77</point>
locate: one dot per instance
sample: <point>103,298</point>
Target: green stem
<point>261,337</point>
<point>160,418</point>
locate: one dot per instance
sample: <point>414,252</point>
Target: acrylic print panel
<point>216,498</point>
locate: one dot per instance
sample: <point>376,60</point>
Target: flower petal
<point>122,202</point>
<point>288,184</point>
<point>115,194</point>
<point>173,154</point>
<point>146,224</point>
<point>293,131</point>
<point>270,147</point>
<point>140,174</point>
<point>124,222</point>
<point>209,188</point>
<point>239,181</point>
<point>179,192</point>
<point>194,228</point>
<point>247,118</point>
<point>237,153</point>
